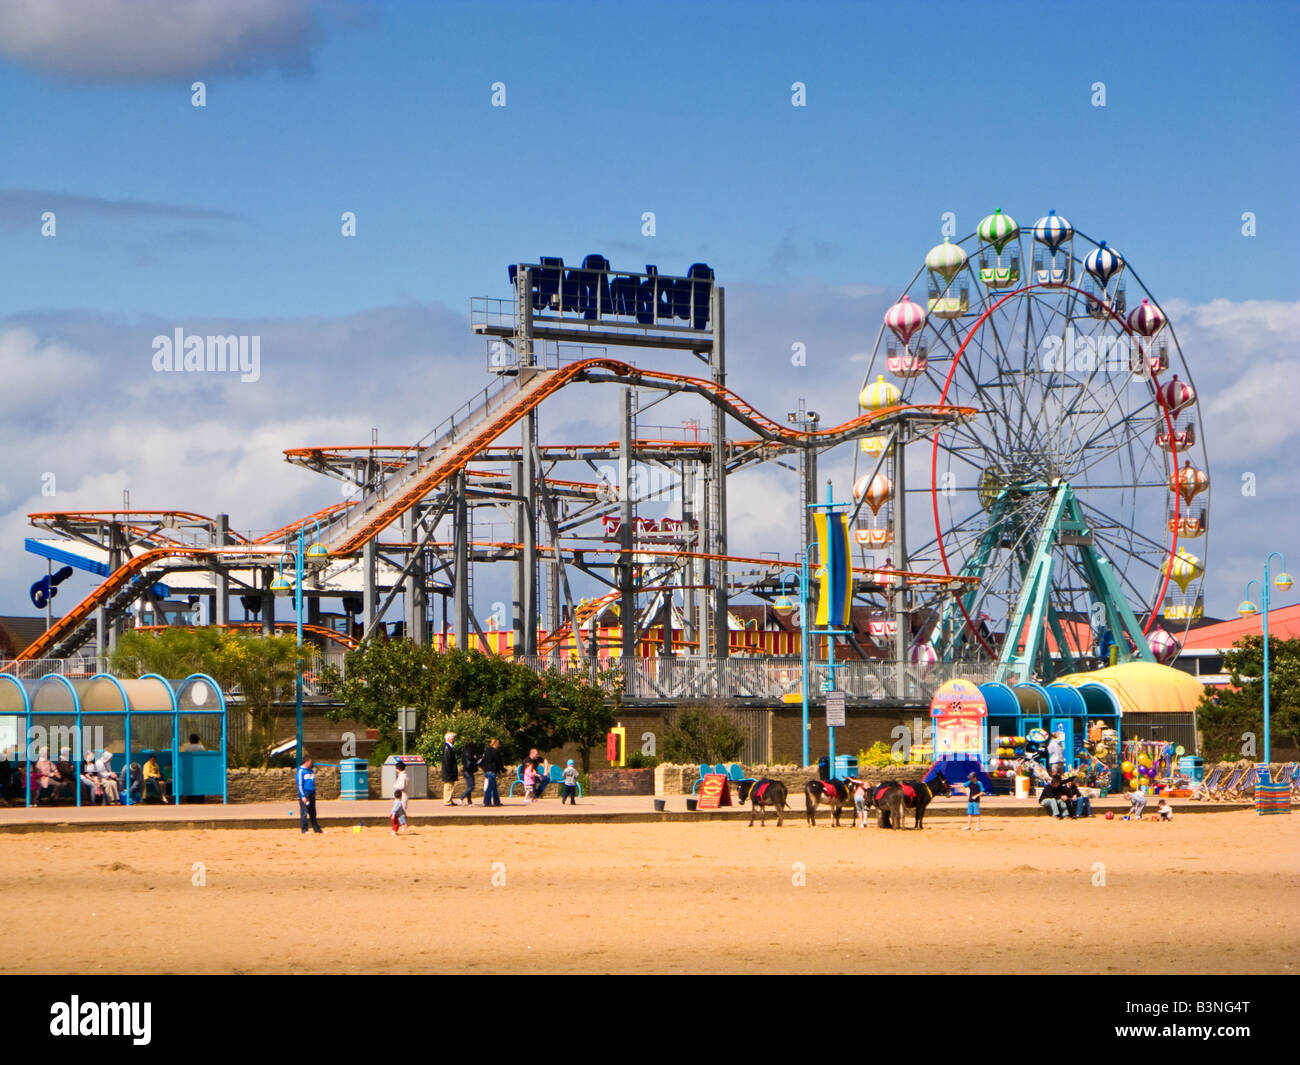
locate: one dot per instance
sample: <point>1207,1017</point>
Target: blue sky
<point>170,214</point>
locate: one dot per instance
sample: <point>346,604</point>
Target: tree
<point>581,715</point>
<point>475,695</point>
<point>1225,715</point>
<point>260,672</point>
<point>703,734</point>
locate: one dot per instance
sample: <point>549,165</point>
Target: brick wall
<point>863,727</point>
<point>274,785</point>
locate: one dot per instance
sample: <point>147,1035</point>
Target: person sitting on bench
<point>153,775</point>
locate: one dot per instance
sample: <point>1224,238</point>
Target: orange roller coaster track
<point>431,469</point>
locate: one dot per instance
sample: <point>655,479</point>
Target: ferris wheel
<point>1078,494</point>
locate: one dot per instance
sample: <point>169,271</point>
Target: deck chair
<point>1229,784</point>
<point>705,770</point>
<point>1206,788</point>
<point>1289,774</point>
<point>1245,788</point>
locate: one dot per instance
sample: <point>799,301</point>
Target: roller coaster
<point>1034,543</point>
<point>408,525</point>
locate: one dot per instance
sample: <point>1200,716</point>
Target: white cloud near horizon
<point>138,41</point>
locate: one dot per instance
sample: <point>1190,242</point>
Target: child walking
<point>397,815</point>
<point>570,785</point>
<point>530,783</point>
<point>974,792</point>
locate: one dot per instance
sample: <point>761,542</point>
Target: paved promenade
<point>338,813</point>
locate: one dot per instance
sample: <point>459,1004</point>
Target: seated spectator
<point>1051,798</point>
<point>194,744</point>
<point>7,771</point>
<point>94,793</point>
<point>1077,802</point>
<point>67,771</point>
<point>153,776</point>
<point>134,782</point>
<point>107,778</point>
<point>46,781</point>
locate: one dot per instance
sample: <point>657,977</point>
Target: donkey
<point>833,793</point>
<point>761,794</point>
<point>915,795</point>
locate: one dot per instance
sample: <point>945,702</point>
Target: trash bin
<point>1192,768</point>
<point>417,776</point>
<point>846,765</point>
<point>354,779</point>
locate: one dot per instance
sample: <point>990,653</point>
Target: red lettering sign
<point>714,792</point>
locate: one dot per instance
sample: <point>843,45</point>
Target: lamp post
<point>1247,608</point>
<point>316,552</point>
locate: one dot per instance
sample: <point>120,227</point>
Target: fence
<point>34,669</point>
<point>763,678</point>
<point>677,678</point>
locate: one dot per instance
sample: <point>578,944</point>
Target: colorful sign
<point>959,711</point>
<point>714,792</point>
<point>835,572</point>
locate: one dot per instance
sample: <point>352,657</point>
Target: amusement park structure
<point>1054,538</point>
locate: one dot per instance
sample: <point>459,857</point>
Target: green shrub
<point>637,760</point>
<point>701,734</point>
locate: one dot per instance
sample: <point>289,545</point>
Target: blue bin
<point>846,765</point>
<point>354,780</point>
<point>1192,768</point>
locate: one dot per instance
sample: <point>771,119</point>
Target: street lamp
<point>280,585</point>
<point>1248,609</point>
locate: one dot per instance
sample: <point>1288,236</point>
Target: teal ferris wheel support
<point>1064,526</point>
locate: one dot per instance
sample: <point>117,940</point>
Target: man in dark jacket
<point>1052,798</point>
<point>449,774</point>
<point>491,765</point>
<point>469,766</point>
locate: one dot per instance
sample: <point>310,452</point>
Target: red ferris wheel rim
<point>1154,608</point>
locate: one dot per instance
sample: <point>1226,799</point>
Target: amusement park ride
<point>1055,425</point>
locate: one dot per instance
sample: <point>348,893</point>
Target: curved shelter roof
<point>1144,687</point>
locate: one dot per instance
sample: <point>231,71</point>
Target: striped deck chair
<point>1229,783</point>
<point>1206,787</point>
<point>1245,788</point>
<point>1289,774</point>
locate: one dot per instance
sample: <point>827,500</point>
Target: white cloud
<point>156,40</point>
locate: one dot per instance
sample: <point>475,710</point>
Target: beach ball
<point>1110,815</point>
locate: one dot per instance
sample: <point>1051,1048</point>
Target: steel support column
<point>718,482</point>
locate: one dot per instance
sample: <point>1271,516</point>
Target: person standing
<point>570,785</point>
<point>306,780</point>
<point>1056,753</point>
<point>469,766</point>
<point>448,770</point>
<point>974,792</point>
<point>491,765</point>
<point>397,814</point>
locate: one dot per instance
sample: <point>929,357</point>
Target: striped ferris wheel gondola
<point>1052,231</point>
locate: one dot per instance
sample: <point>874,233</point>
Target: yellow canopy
<point>1144,687</point>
